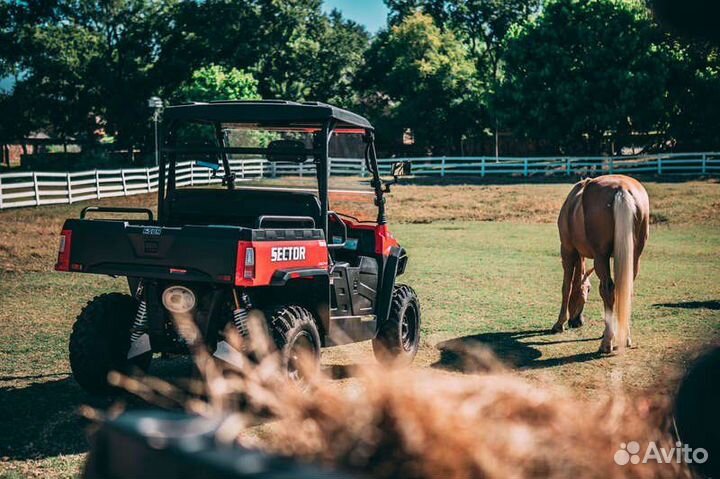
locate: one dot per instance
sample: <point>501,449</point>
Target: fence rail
<point>31,188</point>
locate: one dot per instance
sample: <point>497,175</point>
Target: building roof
<point>265,112</point>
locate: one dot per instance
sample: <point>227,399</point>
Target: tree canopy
<point>87,68</point>
<point>213,82</point>
<point>421,77</point>
<point>574,75</point>
<point>608,73</point>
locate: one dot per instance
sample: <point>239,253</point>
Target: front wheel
<point>398,338</point>
<point>100,341</point>
<point>296,336</point>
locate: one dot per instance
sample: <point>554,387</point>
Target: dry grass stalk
<point>425,424</point>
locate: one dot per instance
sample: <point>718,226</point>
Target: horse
<point>603,217</point>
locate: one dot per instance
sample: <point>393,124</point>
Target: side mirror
<point>401,168</point>
<point>287,151</point>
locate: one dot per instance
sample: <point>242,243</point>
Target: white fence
<point>664,164</point>
<point>45,188</point>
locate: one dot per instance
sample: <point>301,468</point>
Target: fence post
<point>147,178</point>
<point>122,177</point>
<point>362,169</point>
<point>1,200</point>
<point>525,167</point>
<point>69,188</point>
<point>442,166</point>
<point>610,165</point>
<point>273,172</point>
<point>704,164</point>
<point>568,168</point>
<point>300,169</point>
<point>192,173</point>
<point>97,184</point>
<point>36,189</point>
<point>659,165</point>
<point>482,166</point>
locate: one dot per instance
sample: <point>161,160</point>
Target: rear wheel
<point>398,338</point>
<point>296,336</point>
<point>100,341</point>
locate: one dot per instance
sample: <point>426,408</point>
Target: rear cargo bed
<point>189,253</point>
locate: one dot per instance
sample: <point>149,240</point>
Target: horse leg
<point>576,303</point>
<point>607,292</point>
<point>569,258</point>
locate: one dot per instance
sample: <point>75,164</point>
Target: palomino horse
<point>603,217</point>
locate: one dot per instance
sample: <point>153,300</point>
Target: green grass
<point>498,284</point>
<point>491,283</point>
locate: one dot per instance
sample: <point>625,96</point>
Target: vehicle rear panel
<point>207,253</point>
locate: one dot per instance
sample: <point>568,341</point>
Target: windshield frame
<point>319,153</point>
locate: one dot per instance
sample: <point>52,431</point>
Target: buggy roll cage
<point>321,119</point>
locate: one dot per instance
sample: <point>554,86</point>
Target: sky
<point>371,13</point>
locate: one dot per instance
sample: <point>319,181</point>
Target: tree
<point>481,24</point>
<point>214,82</point>
<point>88,64</point>
<point>695,79</point>
<point>91,65</point>
<point>420,77</point>
<point>692,18</point>
<point>694,93</point>
<point>308,55</point>
<point>330,74</point>
<point>583,69</point>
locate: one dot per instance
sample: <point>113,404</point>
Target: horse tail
<point>624,209</point>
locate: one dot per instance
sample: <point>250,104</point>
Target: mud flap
<point>388,283</point>
<point>229,354</point>
<point>140,346</point>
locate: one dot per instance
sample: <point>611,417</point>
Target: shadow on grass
<point>41,419</point>
<point>516,349</point>
<point>713,305</point>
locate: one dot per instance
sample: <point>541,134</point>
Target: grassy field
<point>484,261</point>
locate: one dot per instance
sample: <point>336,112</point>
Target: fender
<point>396,256</point>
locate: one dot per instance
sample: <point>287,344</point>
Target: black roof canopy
<point>265,112</point>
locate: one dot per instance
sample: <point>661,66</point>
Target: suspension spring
<point>241,313</point>
<point>140,323</point>
<point>240,317</point>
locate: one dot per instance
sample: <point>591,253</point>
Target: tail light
<point>245,265</point>
<point>249,269</point>
<point>63,259</point>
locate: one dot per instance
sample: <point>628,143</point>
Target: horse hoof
<point>557,329</point>
<point>576,322</point>
<point>606,349</point>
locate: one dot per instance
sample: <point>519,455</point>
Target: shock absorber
<point>224,350</point>
<point>241,313</point>
<point>139,339</point>
<point>139,325</point>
